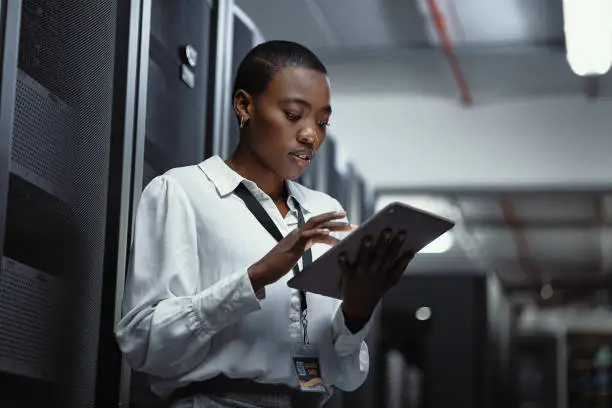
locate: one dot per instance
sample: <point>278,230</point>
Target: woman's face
<point>287,123</point>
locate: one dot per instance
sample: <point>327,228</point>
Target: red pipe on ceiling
<point>526,261</point>
<point>438,18</point>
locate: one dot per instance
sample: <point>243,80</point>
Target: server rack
<point>66,120</point>
<point>245,36</point>
<point>354,191</point>
<point>368,201</point>
<point>451,346</point>
<point>177,85</point>
<point>177,111</point>
<point>336,181</point>
<point>315,175</point>
<point>309,177</point>
<point>534,369</point>
<point>323,164</point>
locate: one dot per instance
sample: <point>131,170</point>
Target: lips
<point>303,154</point>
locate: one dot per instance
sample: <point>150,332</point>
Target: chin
<point>290,171</point>
<point>294,173</point>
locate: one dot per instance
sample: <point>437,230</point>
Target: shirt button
<point>295,302</point>
<point>295,330</point>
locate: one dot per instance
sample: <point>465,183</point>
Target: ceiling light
<point>588,35</point>
<point>547,291</point>
<point>423,313</point>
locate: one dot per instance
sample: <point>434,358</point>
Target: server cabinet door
<point>243,42</point>
<point>177,85</point>
<point>61,153</point>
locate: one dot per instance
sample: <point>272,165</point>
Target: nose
<point>308,135</point>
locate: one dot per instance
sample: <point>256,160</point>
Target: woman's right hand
<point>281,259</point>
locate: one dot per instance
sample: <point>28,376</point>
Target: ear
<point>242,104</point>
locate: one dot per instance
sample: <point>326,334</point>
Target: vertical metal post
<point>221,51</point>
<point>10,21</point>
<point>134,128</point>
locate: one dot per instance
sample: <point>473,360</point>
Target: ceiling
<point>361,24</point>
<point>506,49</point>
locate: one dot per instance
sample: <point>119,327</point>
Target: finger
<point>319,236</point>
<point>363,255</point>
<point>315,221</point>
<point>379,250</point>
<point>393,250</point>
<point>345,267</point>
<point>399,266</point>
<point>309,234</point>
<point>328,240</point>
<point>336,226</point>
<point>344,264</point>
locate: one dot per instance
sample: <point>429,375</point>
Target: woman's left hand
<point>378,267</point>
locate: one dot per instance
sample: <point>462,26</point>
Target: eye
<point>323,124</point>
<point>293,117</point>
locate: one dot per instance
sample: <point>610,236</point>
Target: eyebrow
<point>300,101</point>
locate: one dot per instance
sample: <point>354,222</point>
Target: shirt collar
<point>226,180</point>
<point>297,192</point>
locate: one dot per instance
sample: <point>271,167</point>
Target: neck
<point>250,167</point>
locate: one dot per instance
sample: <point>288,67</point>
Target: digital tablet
<point>323,276</point>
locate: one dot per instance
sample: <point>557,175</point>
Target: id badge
<point>308,368</point>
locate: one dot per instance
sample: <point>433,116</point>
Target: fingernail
<point>401,236</point>
<point>367,242</point>
<point>325,231</point>
<point>387,234</point>
<point>341,213</point>
<point>342,258</point>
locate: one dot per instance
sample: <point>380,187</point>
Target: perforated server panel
<point>177,85</point>
<point>56,215</point>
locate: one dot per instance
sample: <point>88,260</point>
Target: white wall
<point>411,140</point>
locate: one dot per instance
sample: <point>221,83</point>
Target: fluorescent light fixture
<point>588,36</point>
<point>436,206</point>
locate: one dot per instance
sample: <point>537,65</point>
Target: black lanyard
<point>264,219</point>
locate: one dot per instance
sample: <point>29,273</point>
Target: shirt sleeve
<point>168,318</point>
<point>351,348</point>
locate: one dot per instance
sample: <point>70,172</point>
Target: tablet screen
<point>323,276</point>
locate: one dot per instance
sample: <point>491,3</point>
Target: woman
<point>207,312</point>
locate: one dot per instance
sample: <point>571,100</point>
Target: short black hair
<point>261,64</point>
